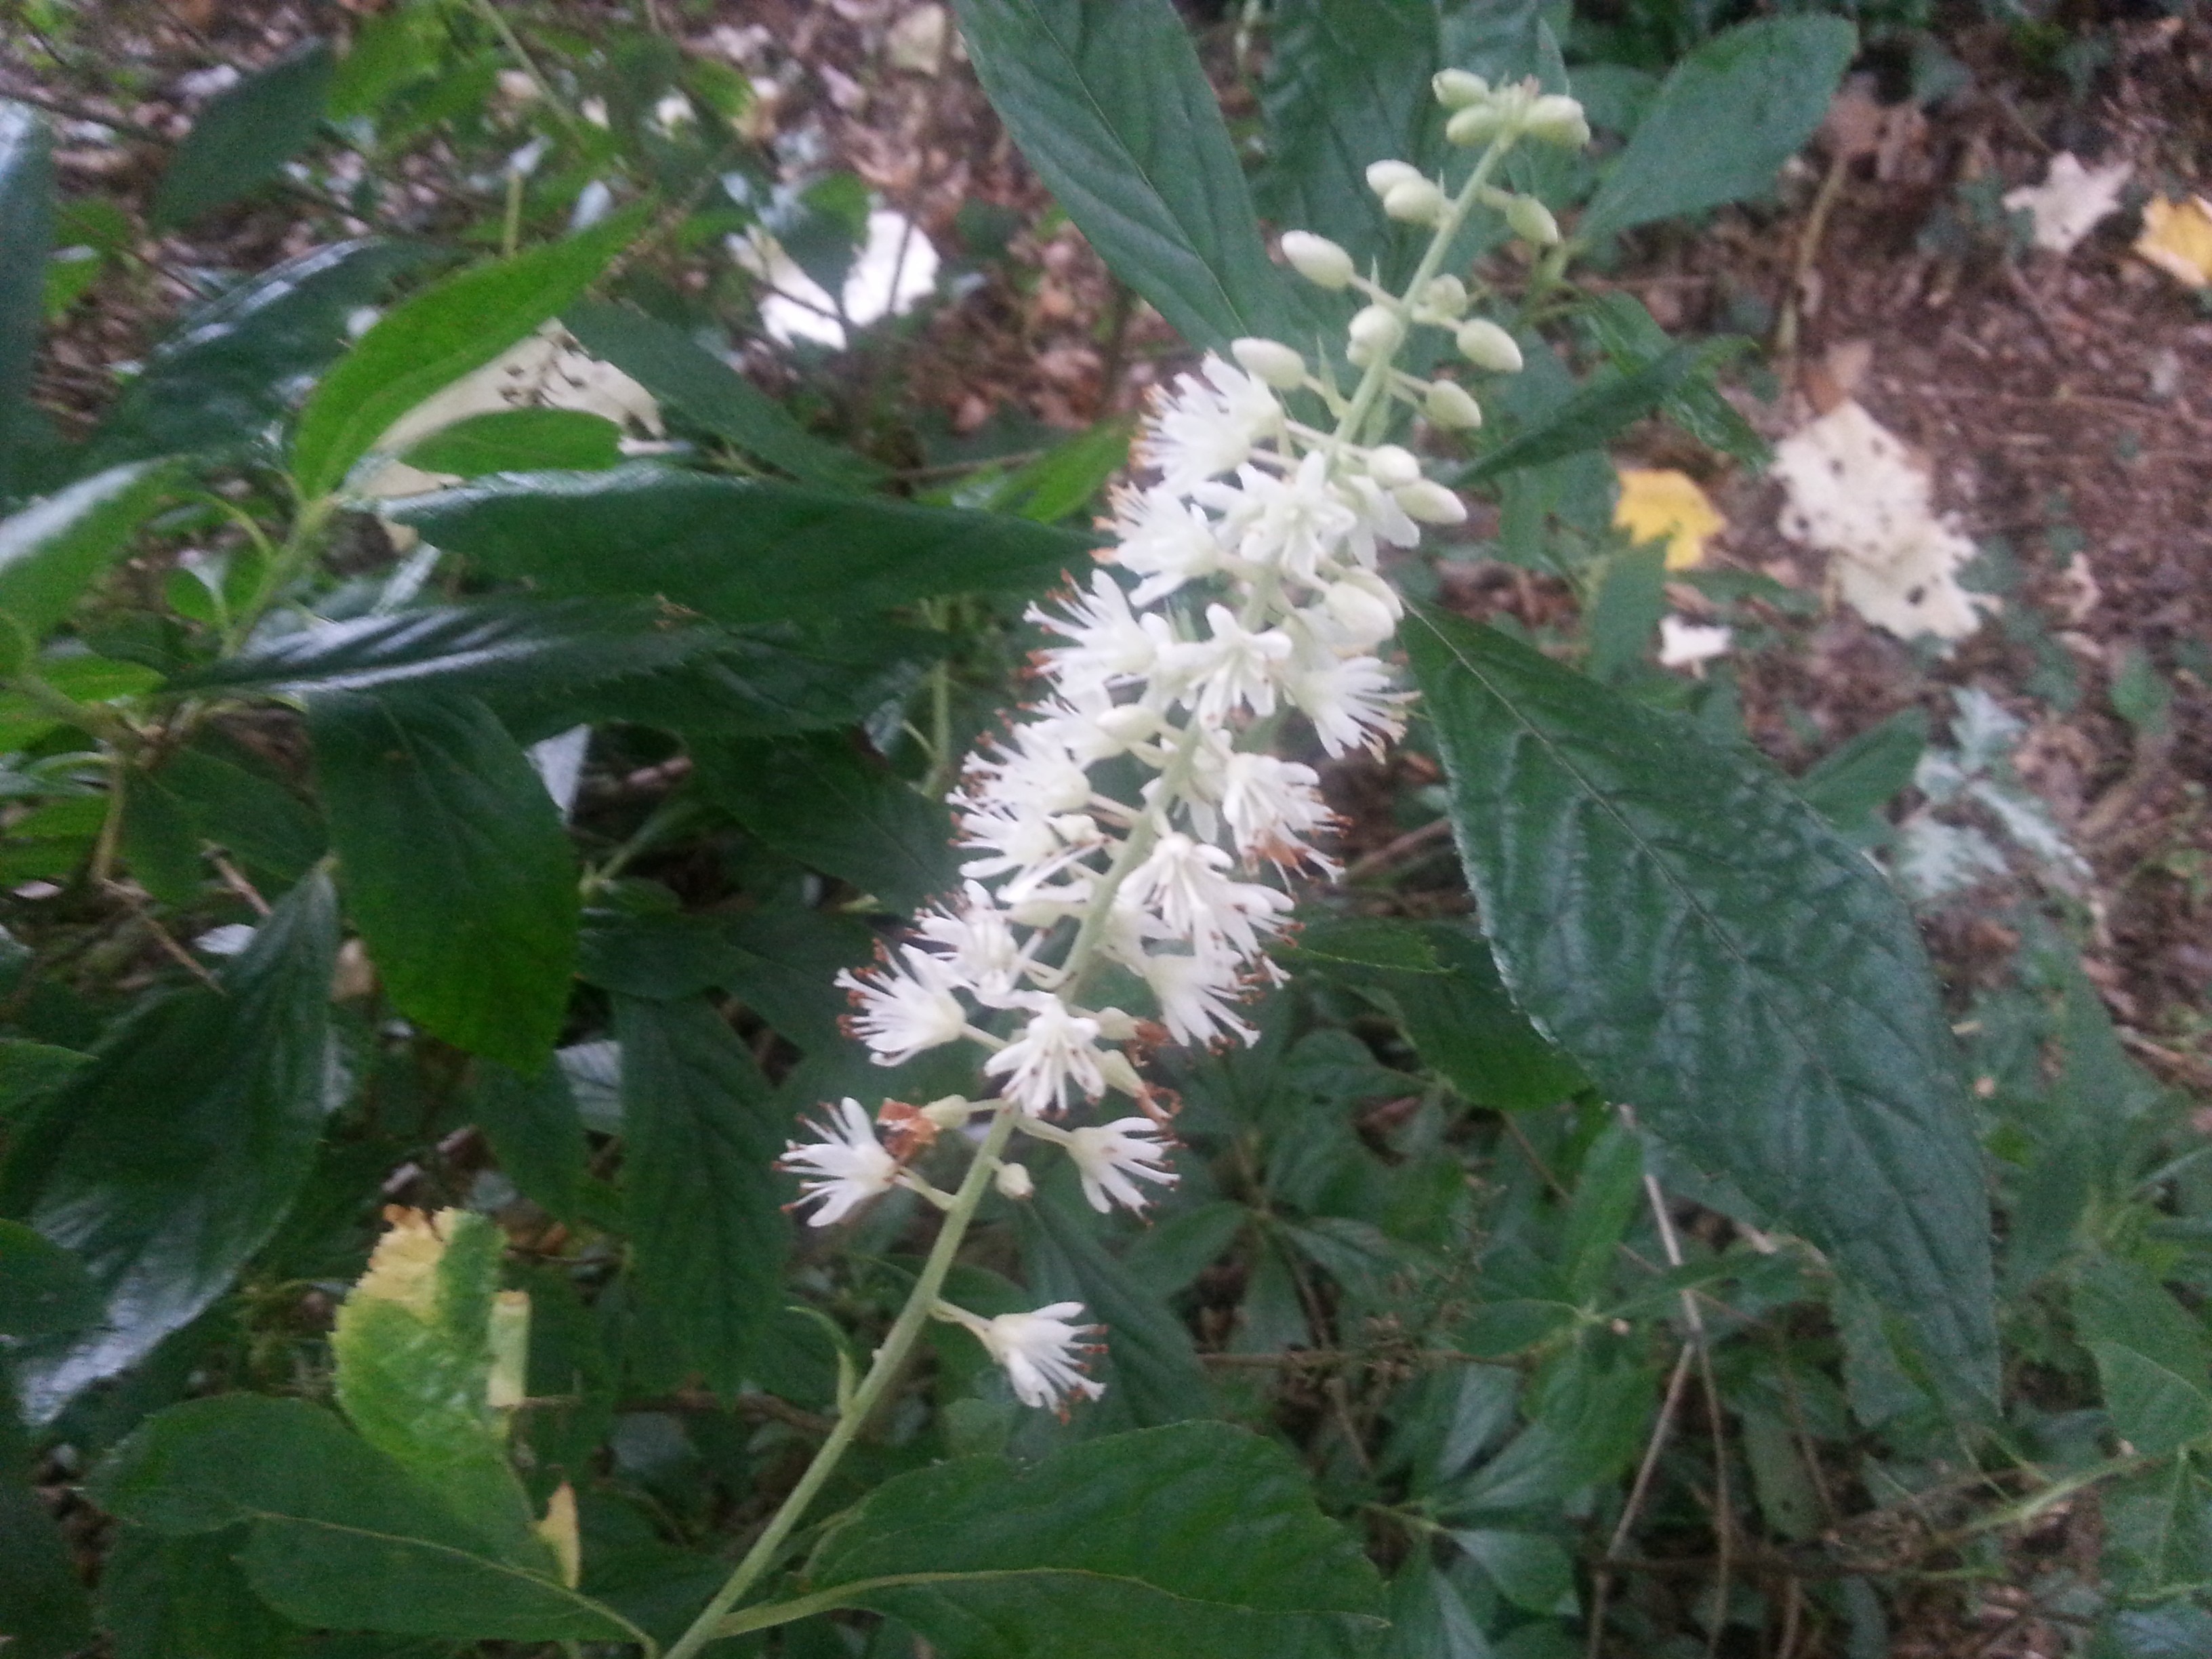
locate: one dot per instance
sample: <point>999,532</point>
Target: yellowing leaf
<point>403,1267</point>
<point>558,1529</point>
<point>2177,238</point>
<point>1660,504</point>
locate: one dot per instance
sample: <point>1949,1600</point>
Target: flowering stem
<point>890,1359</point>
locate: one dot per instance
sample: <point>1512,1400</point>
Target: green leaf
<point>1111,107</point>
<point>27,223</point>
<point>51,551</point>
<point>1850,784</point>
<point>699,1139</point>
<point>1196,1538</point>
<point>43,1288</point>
<point>342,1537</point>
<point>1066,478</point>
<point>781,963</point>
<point>2158,1531</point>
<point>31,1071</point>
<point>1608,404</point>
<point>186,1598</point>
<point>1773,77</point>
<point>736,549</point>
<point>823,802</point>
<point>255,819</point>
<point>1531,1571</point>
<point>1150,1367</point>
<point>535,1133</point>
<point>1606,1194</point>
<point>43,1611</point>
<point>710,394</point>
<point>519,440</point>
<point>456,868</point>
<point>185,1142</point>
<point>2152,1355</point>
<point>1631,597</point>
<point>475,649</point>
<point>1691,934</point>
<point>220,377</point>
<point>415,1382</point>
<point>245,134</point>
<point>434,337</point>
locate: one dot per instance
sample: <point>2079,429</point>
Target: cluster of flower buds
<point>1242,586</point>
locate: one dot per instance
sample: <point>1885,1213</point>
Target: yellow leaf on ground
<point>1658,504</point>
<point>2177,238</point>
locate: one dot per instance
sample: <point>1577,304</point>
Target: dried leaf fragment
<point>2177,238</point>
<point>2071,201</point>
<point>1660,504</point>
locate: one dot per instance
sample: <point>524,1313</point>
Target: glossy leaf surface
<point>51,551</point>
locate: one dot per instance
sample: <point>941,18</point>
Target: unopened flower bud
<point>1383,175</point>
<point>1445,295</point>
<point>1486,345</point>
<point>1555,118</point>
<point>1532,221</point>
<point>1119,1074</point>
<point>1476,125</point>
<point>1391,466</point>
<point>1128,722</point>
<point>1362,616</point>
<point>1447,405</point>
<point>1430,502</point>
<point>1013,1181</point>
<point>1414,202</point>
<point>950,1111</point>
<point>1114,1024</point>
<point>1317,259</point>
<point>1378,329</point>
<point>1456,88</point>
<point>1271,360</point>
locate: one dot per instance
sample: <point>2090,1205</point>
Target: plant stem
<point>489,10</point>
<point>278,571</point>
<point>890,1359</point>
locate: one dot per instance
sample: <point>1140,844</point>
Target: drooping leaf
<point>432,338</point>
<point>27,218</point>
<point>183,1143</point>
<point>455,865</point>
<point>699,1137</point>
<point>1198,1539</point>
<point>245,134</point>
<point>2153,1356</point>
<point>534,1130</point>
<point>519,440</point>
<point>231,368</point>
<point>1110,106</point>
<point>1772,76</point>
<point>341,1536</point>
<point>823,802</point>
<point>478,649</point>
<point>51,551</point>
<point>710,394</point>
<point>736,549</point>
<point>186,1598</point>
<point>1690,934</point>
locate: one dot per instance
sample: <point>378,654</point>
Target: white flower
<point>1108,1155</point>
<point>1349,702</point>
<point>1056,1048</point>
<point>1021,841</point>
<point>1270,805</point>
<point>1037,773</point>
<point>900,1012</point>
<point>1207,427</point>
<point>1042,1353</point>
<point>1686,644</point>
<point>1113,646</point>
<point>1233,667</point>
<point>1181,882</point>
<point>1165,539</point>
<point>1195,995</point>
<point>1293,523</point>
<point>844,1168</point>
<point>980,939</point>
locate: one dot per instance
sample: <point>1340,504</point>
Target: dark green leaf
<point>1066,478</point>
<point>699,1137</point>
<point>823,802</point>
<point>535,1133</point>
<point>1150,1367</point>
<point>1586,421</point>
<point>43,1288</point>
<point>245,134</point>
<point>342,1536</point>
<point>736,550</point>
<point>230,369</point>
<point>1607,1191</point>
<point>186,1598</point>
<point>1365,942</point>
<point>1197,1538</point>
<point>29,1071</point>
<point>2158,1531</point>
<point>391,50</point>
<point>1693,935</point>
<point>27,222</point>
<point>710,394</point>
<point>1772,76</point>
<point>51,551</point>
<point>1530,1569</point>
<point>473,649</point>
<point>426,344</point>
<point>2152,1354</point>
<point>43,1611</point>
<point>1632,596</point>
<point>185,1142</point>
<point>782,964</point>
<point>456,868</point>
<point>251,816</point>
<point>519,440</point>
<point>1464,1022</point>
<point>1849,785</point>
<point>1110,105</point>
